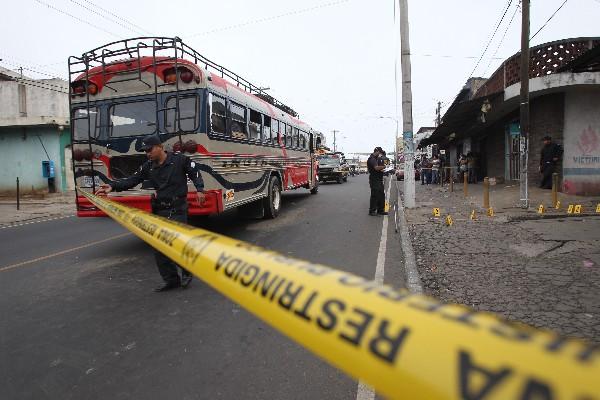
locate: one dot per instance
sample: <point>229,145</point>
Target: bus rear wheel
<point>272,204</point>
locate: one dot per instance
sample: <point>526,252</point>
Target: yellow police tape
<point>403,345</point>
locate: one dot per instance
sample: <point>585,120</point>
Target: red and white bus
<point>250,146</point>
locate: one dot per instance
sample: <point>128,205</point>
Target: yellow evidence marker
<point>598,208</point>
<point>449,220</point>
<point>557,206</point>
<point>436,212</point>
<point>541,209</point>
<point>387,207</point>
<point>490,212</point>
<point>570,209</point>
<point>473,216</point>
<point>577,209</point>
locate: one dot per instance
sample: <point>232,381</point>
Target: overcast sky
<point>331,60</point>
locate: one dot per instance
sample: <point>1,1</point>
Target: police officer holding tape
<point>167,172</point>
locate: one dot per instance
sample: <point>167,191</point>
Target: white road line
<point>413,281</point>
<point>365,392</point>
<point>35,222</point>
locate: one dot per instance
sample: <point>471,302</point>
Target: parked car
<point>400,174</point>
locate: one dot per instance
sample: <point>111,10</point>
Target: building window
<point>80,123</point>
<point>188,114</point>
<point>266,132</point>
<point>133,119</point>
<point>254,125</point>
<point>237,114</point>
<point>218,115</point>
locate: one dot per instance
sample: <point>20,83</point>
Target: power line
<point>101,15</point>
<point>548,20</point>
<point>265,19</point>
<point>503,37</point>
<point>23,61</point>
<point>119,17</point>
<point>26,83</point>
<point>454,56</point>
<point>491,38</point>
<point>76,18</point>
<point>14,64</point>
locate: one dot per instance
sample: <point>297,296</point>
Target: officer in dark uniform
<point>549,158</point>
<point>168,173</point>
<point>375,166</point>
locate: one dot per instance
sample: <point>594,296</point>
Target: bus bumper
<point>212,205</point>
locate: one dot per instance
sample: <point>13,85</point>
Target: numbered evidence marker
<point>387,207</point>
<point>473,216</point>
<point>598,208</point>
<point>436,212</point>
<point>541,209</point>
<point>490,212</point>
<point>577,209</point>
<point>570,209</point>
<point>557,206</point>
<point>449,220</point>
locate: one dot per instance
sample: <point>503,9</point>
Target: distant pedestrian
<point>375,166</point>
<point>435,170</point>
<point>168,173</point>
<point>549,158</point>
<point>472,167</point>
<point>462,167</point>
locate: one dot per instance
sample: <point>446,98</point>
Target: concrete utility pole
<point>438,116</point>
<point>334,148</point>
<point>407,122</point>
<point>524,108</point>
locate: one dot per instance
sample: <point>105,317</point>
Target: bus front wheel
<point>272,204</point>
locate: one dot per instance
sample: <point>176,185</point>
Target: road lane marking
<point>34,222</point>
<point>413,281</point>
<point>60,253</point>
<point>365,392</point>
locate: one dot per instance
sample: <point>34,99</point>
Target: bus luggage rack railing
<point>162,50</point>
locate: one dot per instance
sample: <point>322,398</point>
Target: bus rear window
<point>81,124</point>
<point>133,119</point>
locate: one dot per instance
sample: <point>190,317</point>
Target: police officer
<point>375,166</point>
<point>167,173</point>
<point>549,157</point>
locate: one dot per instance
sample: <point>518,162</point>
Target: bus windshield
<point>133,119</point>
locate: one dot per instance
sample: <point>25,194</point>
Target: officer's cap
<point>547,138</point>
<point>150,141</point>
<point>378,149</point>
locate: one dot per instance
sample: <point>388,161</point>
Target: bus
<point>250,147</point>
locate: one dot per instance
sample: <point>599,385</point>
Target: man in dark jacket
<point>549,158</point>
<point>168,173</point>
<point>375,166</point>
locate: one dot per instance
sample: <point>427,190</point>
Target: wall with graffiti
<point>581,160</point>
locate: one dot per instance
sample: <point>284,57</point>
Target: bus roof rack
<point>162,50</point>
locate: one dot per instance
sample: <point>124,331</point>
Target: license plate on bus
<point>87,181</point>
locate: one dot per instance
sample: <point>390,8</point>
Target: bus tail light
<point>79,88</point>
<point>177,147</point>
<point>92,88</point>
<point>185,74</point>
<point>190,146</point>
<point>86,154</point>
<point>77,155</point>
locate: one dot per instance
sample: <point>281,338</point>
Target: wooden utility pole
<point>524,108</point>
<point>407,122</point>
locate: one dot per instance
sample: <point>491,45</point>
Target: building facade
<point>34,128</point>
<point>564,85</point>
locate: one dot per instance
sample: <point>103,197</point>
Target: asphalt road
<point>80,319</point>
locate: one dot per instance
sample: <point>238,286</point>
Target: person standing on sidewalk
<point>471,167</point>
<point>435,170</point>
<point>168,173</point>
<point>549,158</point>
<point>375,166</point>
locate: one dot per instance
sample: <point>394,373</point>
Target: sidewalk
<point>36,208</point>
<point>544,272</point>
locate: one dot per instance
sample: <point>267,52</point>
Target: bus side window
<point>266,132</point>
<point>254,125</point>
<point>296,138</point>
<point>237,115</point>
<point>283,133</point>
<point>80,123</point>
<point>288,136</point>
<point>218,115</point>
<point>303,140</point>
<point>274,132</point>
<point>188,114</point>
